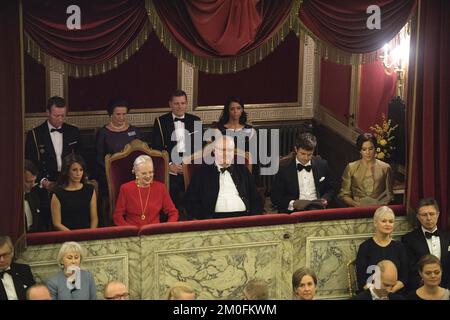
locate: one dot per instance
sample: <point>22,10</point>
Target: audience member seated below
<point>368,181</point>
<point>116,290</point>
<point>71,283</point>
<point>381,247</point>
<point>430,271</point>
<point>304,284</point>
<point>141,201</point>
<point>388,280</point>
<point>36,201</point>
<point>303,183</point>
<point>181,291</point>
<point>222,189</point>
<point>427,239</point>
<point>74,203</point>
<point>256,289</point>
<point>15,278</point>
<point>38,291</point>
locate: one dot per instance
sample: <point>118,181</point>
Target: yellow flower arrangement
<point>384,134</point>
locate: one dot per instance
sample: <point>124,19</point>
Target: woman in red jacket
<point>141,201</point>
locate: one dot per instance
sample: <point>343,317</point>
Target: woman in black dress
<point>430,270</point>
<point>233,122</point>
<point>74,202</point>
<point>381,247</point>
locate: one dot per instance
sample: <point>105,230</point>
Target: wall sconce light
<point>395,57</point>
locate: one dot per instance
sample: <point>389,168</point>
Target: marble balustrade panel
<point>111,259</point>
<point>218,263</point>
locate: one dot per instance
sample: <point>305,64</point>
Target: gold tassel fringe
<point>80,71</point>
<point>230,64</point>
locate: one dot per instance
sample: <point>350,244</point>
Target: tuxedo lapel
<point>422,242</point>
<point>292,177</point>
<point>3,295</point>
<point>445,241</point>
<point>316,175</point>
<point>48,142</point>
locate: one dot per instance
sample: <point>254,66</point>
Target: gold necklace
<point>146,201</point>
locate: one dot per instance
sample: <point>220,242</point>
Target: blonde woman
<point>381,247</point>
<point>71,283</point>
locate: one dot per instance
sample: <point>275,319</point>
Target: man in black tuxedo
<point>427,239</point>
<point>175,132</point>
<point>47,144</point>
<point>15,278</point>
<point>382,289</point>
<point>222,189</point>
<point>36,201</point>
<point>304,182</point>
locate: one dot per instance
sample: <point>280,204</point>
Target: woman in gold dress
<point>367,181</point>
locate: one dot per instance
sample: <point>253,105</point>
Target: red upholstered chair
<point>119,165</point>
<point>193,162</point>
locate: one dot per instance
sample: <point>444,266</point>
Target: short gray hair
<point>70,246</point>
<point>7,240</point>
<point>143,158</point>
<point>381,211</point>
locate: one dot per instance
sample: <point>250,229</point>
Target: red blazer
<point>128,206</point>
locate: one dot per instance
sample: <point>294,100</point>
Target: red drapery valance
<point>111,31</point>
<point>339,28</point>
<point>222,36</point>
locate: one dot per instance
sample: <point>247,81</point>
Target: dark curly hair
<point>363,138</point>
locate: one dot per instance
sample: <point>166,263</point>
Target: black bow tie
<point>300,167</point>
<point>3,272</point>
<point>178,119</point>
<point>222,170</point>
<point>428,235</point>
<point>53,130</point>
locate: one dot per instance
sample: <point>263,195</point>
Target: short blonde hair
<point>178,288</point>
<point>382,211</point>
<point>256,289</point>
<point>70,246</point>
<point>143,158</point>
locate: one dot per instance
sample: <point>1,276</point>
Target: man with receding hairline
<point>38,291</point>
<point>388,278</point>
<point>116,290</point>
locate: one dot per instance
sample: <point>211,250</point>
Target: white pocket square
<point>321,179</point>
<point>448,249</point>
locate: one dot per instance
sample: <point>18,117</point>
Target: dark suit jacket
<point>22,277</point>
<point>42,153</point>
<point>39,202</point>
<point>416,247</point>
<point>365,295</point>
<point>167,127</point>
<point>285,185</point>
<point>201,196</point>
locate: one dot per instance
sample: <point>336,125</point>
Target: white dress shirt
<point>8,284</point>
<point>434,243</point>
<point>179,133</point>
<point>57,141</point>
<point>228,199</point>
<point>306,185</point>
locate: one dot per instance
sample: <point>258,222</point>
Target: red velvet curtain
<point>429,117</point>
<point>220,28</point>
<point>107,27</point>
<point>343,23</point>
<point>11,130</point>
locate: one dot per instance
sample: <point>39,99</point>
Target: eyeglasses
<point>5,255</point>
<point>426,214</point>
<point>123,296</point>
